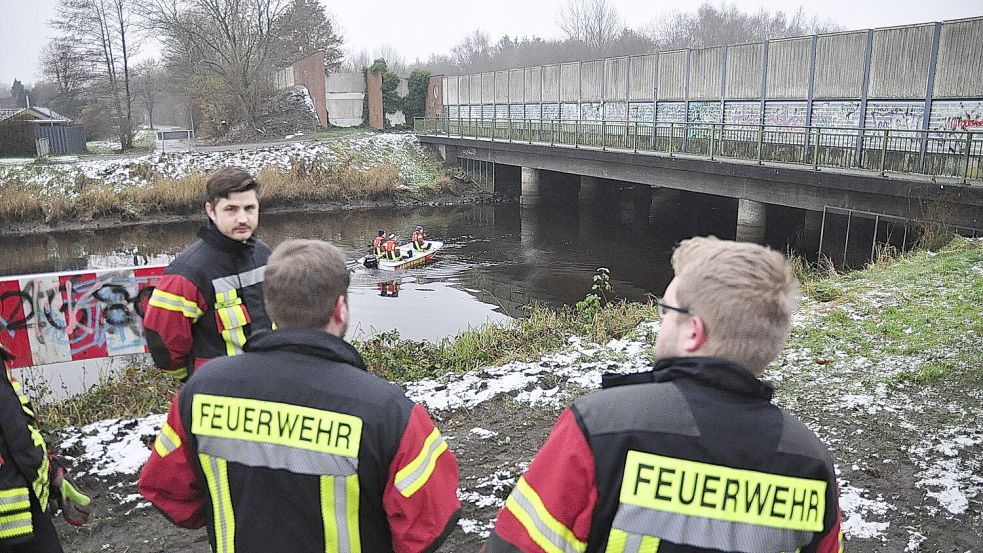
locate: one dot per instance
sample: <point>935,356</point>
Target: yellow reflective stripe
<point>550,534</point>
<point>723,493</point>
<point>15,499</point>
<point>217,475</point>
<point>167,441</point>
<point>339,514</point>
<point>650,544</point>
<point>616,541</point>
<point>40,482</point>
<point>19,524</point>
<point>841,542</point>
<point>276,423</point>
<point>179,373</point>
<point>174,302</point>
<point>351,508</point>
<point>414,475</point>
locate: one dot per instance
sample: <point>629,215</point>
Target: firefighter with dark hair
<point>28,480</point>
<point>210,298</point>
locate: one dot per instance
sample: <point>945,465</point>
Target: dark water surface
<point>496,257</point>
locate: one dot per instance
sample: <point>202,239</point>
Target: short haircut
<point>304,279</point>
<point>744,293</point>
<point>227,181</point>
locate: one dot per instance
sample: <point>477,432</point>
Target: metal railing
<point>938,154</point>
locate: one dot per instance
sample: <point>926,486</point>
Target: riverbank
<point>356,170</point>
<point>883,363</point>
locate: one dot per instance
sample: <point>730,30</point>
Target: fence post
<point>969,149</point>
<point>604,134</point>
<point>634,141</point>
<point>761,137</point>
<point>576,133</point>
<point>713,136</point>
<point>672,134</point>
<point>815,149</point>
<point>510,129</point>
<point>884,152</point>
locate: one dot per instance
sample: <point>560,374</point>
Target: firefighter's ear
<point>339,317</point>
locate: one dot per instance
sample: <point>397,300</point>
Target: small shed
<point>38,131</point>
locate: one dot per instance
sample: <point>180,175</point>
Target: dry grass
<point>305,181</point>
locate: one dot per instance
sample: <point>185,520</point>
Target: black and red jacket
<point>293,446</point>
<point>689,457</point>
<point>208,302</point>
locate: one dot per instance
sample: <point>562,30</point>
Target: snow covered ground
<point>364,150</point>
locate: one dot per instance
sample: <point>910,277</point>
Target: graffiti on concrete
<point>642,112</point>
<point>704,112</point>
<point>839,114</point>
<point>742,114</point>
<point>58,317</point>
<point>616,111</point>
<point>957,115</point>
<point>570,112</point>
<point>551,111</point>
<point>786,114</point>
<point>516,111</point>
<point>895,115</point>
<point>671,112</point>
<point>533,111</point>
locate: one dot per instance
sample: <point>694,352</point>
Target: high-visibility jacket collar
<point>308,342</point>
<point>711,371</point>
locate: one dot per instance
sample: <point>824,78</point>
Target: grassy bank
<point>922,308</point>
<point>342,169</point>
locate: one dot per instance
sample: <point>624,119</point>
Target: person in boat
<point>390,248</point>
<point>380,238</point>
<point>420,239</point>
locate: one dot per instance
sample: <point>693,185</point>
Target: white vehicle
<point>175,140</point>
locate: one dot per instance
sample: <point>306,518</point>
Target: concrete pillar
<point>449,153</point>
<point>588,189</point>
<point>530,195</point>
<point>811,230</point>
<point>751,221</point>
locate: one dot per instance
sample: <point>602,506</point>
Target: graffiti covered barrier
<point>57,317</point>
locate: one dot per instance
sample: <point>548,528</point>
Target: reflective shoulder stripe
<point>620,541</point>
<point>241,280</point>
<point>12,526</point>
<point>167,441</point>
<point>339,514</point>
<point>179,373</point>
<point>217,476</point>
<point>414,475</point>
<point>550,534</point>
<point>174,302</point>
<point>14,499</point>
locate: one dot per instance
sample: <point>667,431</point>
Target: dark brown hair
<point>304,279</point>
<point>228,181</point>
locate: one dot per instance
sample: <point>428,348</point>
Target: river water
<point>497,258</point>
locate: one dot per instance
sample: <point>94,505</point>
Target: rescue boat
<point>418,257</point>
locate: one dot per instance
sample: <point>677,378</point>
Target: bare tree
<point>394,60</point>
<point>307,28</point>
<point>357,61</point>
<point>233,41</point>
<point>104,34</point>
<point>63,64</point>
<point>593,23</point>
<point>473,52</point>
<point>716,25</point>
<point>148,81</point>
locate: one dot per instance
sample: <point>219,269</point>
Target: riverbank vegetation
<point>343,169</point>
<point>922,308</point>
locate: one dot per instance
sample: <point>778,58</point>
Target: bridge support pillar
<point>588,189</point>
<point>811,230</point>
<point>530,195</point>
<point>751,221</point>
<point>449,153</point>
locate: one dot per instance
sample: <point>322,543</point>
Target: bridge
<point>886,121</point>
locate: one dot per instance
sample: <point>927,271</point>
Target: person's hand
<point>75,505</point>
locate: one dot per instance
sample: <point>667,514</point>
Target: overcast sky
<point>417,29</point>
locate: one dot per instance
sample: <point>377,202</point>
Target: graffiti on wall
<point>837,114</point>
<point>671,112</point>
<point>551,111</point>
<point>616,111</point>
<point>703,112</point>
<point>533,111</point>
<point>516,111</point>
<point>643,112</point>
<point>502,111</point>
<point>786,114</point>
<point>894,115</point>
<point>742,114</point>
<point>57,317</point>
<point>957,115</point>
<point>570,112</point>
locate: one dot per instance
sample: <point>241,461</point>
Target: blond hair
<point>744,293</point>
